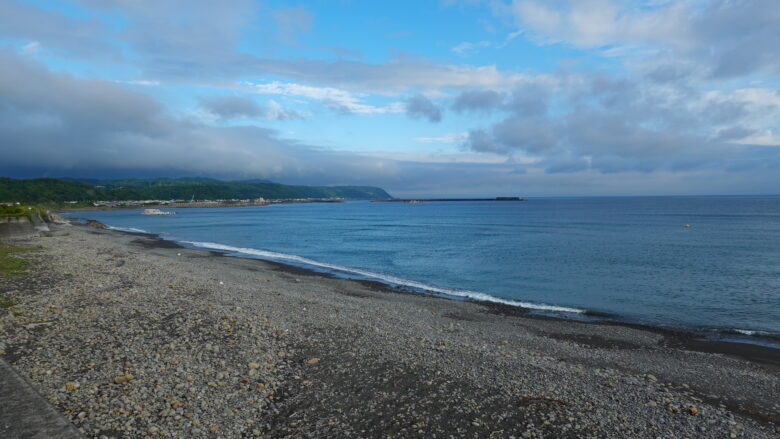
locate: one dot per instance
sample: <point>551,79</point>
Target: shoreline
<point>130,335</point>
<point>758,347</point>
<point>685,338</point>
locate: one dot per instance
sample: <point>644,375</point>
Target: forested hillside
<point>41,190</point>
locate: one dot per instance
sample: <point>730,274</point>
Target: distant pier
<point>426,200</point>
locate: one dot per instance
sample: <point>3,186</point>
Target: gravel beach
<point>131,336</point>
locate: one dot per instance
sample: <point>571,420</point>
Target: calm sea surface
<point>627,258</point>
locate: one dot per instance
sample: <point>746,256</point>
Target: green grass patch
<point>10,264</point>
<point>13,211</point>
<point>7,302</point>
<point>20,210</point>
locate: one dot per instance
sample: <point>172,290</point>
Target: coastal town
<point>208,203</point>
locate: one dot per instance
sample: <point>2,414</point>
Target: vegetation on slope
<point>48,190</point>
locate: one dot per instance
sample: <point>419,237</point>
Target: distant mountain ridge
<point>40,190</point>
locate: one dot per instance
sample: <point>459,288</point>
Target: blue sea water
<point>630,259</point>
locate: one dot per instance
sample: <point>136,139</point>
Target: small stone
<point>82,415</point>
<point>652,404</point>
<point>314,360</point>
<point>694,411</point>
<point>673,409</point>
<point>123,378</point>
<point>279,331</point>
<point>652,377</point>
<point>254,365</point>
<point>71,386</point>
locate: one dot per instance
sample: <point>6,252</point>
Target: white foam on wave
<point>127,229</point>
<point>750,332</point>
<point>474,295</point>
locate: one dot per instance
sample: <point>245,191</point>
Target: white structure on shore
<point>156,212</point>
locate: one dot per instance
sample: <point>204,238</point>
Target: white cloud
<point>337,98</point>
<point>600,22</point>
<point>765,138</point>
<point>447,138</point>
<point>31,48</point>
<point>467,48</point>
<point>144,82</point>
<point>277,112</point>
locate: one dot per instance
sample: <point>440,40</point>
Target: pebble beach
<point>130,336</point>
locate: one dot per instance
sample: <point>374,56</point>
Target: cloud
<point>467,48</point>
<point>526,134</point>
<point>229,107</point>
<point>291,22</point>
<point>674,39</point>
<point>114,131</point>
<point>601,22</point>
<point>673,110</point>
<point>277,112</point>
<point>397,75</point>
<point>447,138</point>
<point>202,45</point>
<point>418,106</point>
<point>480,140</point>
<point>766,138</point>
<point>66,125</point>
<point>477,100</point>
<point>172,40</point>
<point>615,125</point>
<point>339,100</point>
<point>84,37</point>
<point>529,100</point>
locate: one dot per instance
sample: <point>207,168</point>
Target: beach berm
<point>133,337</point>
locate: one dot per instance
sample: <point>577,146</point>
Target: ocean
<point>710,264</point>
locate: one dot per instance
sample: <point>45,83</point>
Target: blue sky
<point>423,98</point>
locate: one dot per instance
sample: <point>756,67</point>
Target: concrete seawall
<point>13,226</point>
<point>21,225</point>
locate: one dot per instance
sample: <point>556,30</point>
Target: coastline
<point>678,337</point>
<point>763,348</point>
<point>398,364</point>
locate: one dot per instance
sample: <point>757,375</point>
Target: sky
<point>421,98</point>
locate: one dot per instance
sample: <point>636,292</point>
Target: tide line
<point>473,295</point>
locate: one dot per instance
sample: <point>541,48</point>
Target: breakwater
<point>426,200</point>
